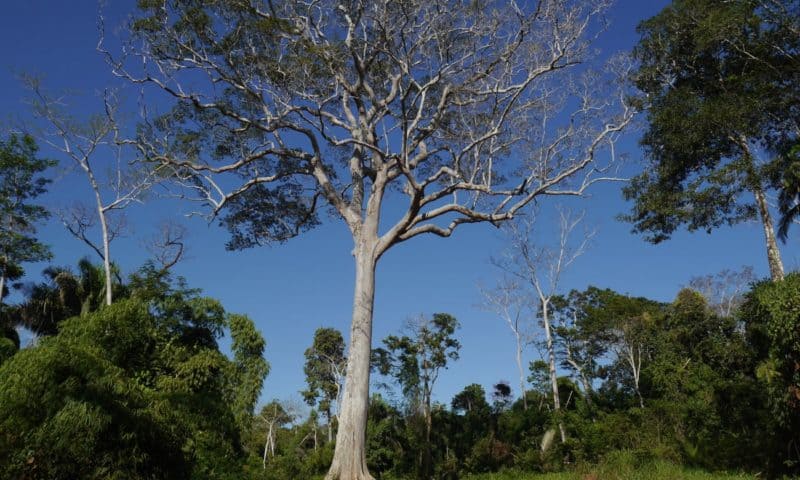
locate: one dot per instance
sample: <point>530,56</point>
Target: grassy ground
<point>652,471</point>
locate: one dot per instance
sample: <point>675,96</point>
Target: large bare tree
<point>465,111</point>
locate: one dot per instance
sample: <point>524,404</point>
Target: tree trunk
<point>587,388</point>
<point>106,254</point>
<point>581,371</point>
<point>552,363</point>
<point>754,180</point>
<point>773,252</point>
<point>585,383</point>
<point>266,447</point>
<point>636,370</point>
<point>2,287</point>
<point>521,374</point>
<point>101,216</point>
<point>349,457</point>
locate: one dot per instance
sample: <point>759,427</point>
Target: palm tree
<point>63,295</point>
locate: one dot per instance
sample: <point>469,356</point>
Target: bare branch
<point>168,245</point>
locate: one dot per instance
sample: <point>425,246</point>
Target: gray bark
<point>101,215</point>
<point>268,447</point>
<point>587,389</point>
<point>349,460</point>
<point>756,186</point>
<point>106,252</point>
<point>773,252</point>
<point>635,361</point>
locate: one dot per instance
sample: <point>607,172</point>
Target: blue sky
<point>290,290</point>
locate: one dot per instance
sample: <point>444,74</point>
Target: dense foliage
<point>21,181</point>
<point>641,380</point>
<point>138,389</point>
<point>721,82</point>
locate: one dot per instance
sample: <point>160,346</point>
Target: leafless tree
<point>468,110</point>
<point>509,301</point>
<point>539,268</point>
<point>724,290</point>
<point>93,147</point>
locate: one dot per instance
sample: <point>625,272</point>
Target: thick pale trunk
<point>551,353</point>
<point>349,458</point>
<point>773,252</point>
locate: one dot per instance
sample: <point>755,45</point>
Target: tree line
<point>141,388</point>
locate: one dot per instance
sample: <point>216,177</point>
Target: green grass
<point>649,471</point>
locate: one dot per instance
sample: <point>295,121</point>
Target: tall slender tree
<point>95,147</point>
<point>582,334</point>
<point>539,269</point>
<point>465,111</point>
<point>249,368</point>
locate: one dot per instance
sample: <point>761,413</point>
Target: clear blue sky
<point>290,290</point>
